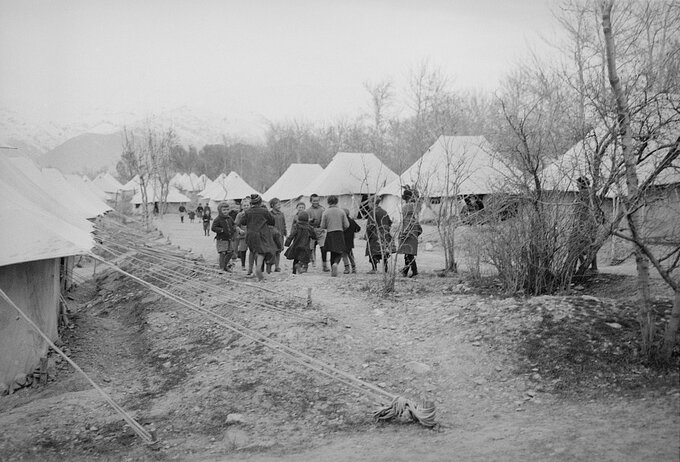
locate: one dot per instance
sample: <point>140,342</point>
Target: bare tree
<point>633,152</point>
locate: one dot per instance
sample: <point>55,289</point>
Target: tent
<point>453,167</point>
<point>203,182</point>
<point>287,187</point>
<point>107,183</point>
<point>229,187</point>
<point>43,228</point>
<point>153,194</point>
<point>90,206</point>
<point>132,185</point>
<point>352,176</point>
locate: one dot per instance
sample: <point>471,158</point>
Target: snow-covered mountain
<point>94,142</point>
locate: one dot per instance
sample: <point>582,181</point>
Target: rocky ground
<point>542,378</point>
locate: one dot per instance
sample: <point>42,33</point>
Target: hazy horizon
<point>67,61</point>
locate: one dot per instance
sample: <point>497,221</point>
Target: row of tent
<point>354,176</point>
<point>47,220</point>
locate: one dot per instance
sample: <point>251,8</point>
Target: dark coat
<point>378,237</point>
<point>257,220</point>
<point>409,231</point>
<point>349,234</point>
<point>298,242</point>
<point>280,222</point>
<point>223,227</point>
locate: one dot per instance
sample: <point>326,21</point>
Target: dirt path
<point>213,395</point>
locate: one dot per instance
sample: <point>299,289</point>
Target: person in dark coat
<point>224,229</point>
<point>206,218</point>
<point>199,210</point>
<point>280,227</point>
<point>335,222</point>
<point>315,213</point>
<point>257,221</point>
<point>409,231</point>
<point>182,212</point>
<point>348,256</point>
<point>298,243</point>
<point>378,238</point>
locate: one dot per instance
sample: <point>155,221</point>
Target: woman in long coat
<point>409,231</point>
<point>378,238</point>
<point>257,220</point>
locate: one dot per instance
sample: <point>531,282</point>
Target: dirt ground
<point>213,395</point>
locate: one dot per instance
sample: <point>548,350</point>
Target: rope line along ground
<point>398,407</point>
<point>170,277</point>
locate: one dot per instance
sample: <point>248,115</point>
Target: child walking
<point>206,221</point>
<point>348,256</point>
<point>223,227</point>
<point>298,243</point>
<point>242,247</point>
<point>335,222</point>
<point>280,226</point>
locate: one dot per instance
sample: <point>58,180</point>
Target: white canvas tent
<point>351,176</point>
<point>107,183</point>
<point>287,187</point>
<point>229,187</point>
<point>132,185</point>
<point>203,182</point>
<point>454,166</point>
<point>42,230</point>
<point>578,162</point>
<point>153,194</point>
<point>91,207</point>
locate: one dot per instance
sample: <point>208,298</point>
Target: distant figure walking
<point>199,210</point>
<point>206,222</point>
<point>182,212</point>
<point>192,215</point>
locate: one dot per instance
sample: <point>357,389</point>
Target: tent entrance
<point>363,207</point>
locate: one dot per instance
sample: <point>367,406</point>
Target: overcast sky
<point>280,59</point>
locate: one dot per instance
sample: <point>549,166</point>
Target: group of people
<point>259,233</point>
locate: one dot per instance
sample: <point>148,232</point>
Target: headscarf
<point>255,199</point>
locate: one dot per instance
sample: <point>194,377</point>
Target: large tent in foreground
<point>45,225</point>
<point>453,168</point>
<point>352,176</point>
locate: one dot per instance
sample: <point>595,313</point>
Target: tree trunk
<point>645,314</point>
<point>671,328</point>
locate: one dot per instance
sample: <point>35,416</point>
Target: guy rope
<point>395,407</point>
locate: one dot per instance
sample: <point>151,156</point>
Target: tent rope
<point>136,427</point>
<point>399,407</point>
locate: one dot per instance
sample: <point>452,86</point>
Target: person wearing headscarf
<point>257,221</point>
<point>409,231</point>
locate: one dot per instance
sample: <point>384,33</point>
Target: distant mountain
<point>86,153</point>
<point>32,139</point>
<point>94,143</point>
